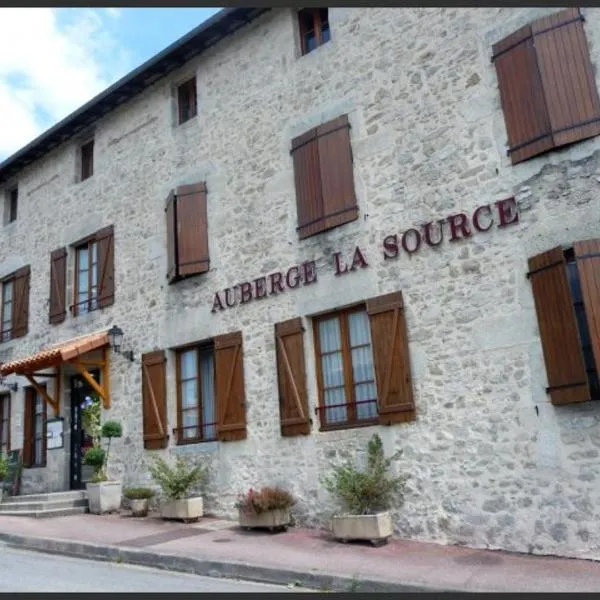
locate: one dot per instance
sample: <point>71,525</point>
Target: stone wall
<point>492,463</point>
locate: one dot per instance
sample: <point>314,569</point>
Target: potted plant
<point>267,508</point>
<point>138,500</point>
<point>366,495</point>
<point>3,472</point>
<point>104,495</point>
<point>177,483</point>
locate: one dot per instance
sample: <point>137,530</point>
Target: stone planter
<point>139,507</point>
<point>104,497</point>
<point>375,528</point>
<point>188,509</point>
<point>272,519</point>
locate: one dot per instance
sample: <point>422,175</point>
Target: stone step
<point>29,507</point>
<point>41,514</point>
<point>49,497</point>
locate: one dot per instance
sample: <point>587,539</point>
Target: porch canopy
<point>71,352</point>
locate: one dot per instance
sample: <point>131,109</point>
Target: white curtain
<point>189,394</point>
<point>333,371</point>
<point>207,382</point>
<point>39,429</point>
<point>362,365</point>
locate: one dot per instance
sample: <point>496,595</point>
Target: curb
<point>211,568</point>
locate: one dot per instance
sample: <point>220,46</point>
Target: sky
<point>53,60</point>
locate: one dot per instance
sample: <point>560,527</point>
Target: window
<point>324,178</point>
<point>12,202</point>
<point>87,160</point>
<point>196,394</point>
<point>547,85</point>
<point>186,100</point>
<point>314,28</point>
<point>4,424</point>
<point>363,366</point>
<point>566,291</point>
<point>34,442</point>
<point>14,312</point>
<point>187,232</point>
<point>94,272</point>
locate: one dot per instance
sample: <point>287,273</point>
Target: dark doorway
<point>80,474</point>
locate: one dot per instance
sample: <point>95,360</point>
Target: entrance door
<point>80,474</point>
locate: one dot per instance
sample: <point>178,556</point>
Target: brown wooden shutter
<point>106,266</point>
<point>565,368</point>
<point>587,254</point>
<point>391,359</point>
<point>171,217</point>
<point>547,86</point>
<point>28,415</point>
<point>324,178</point>
<point>291,375</point>
<point>58,280</point>
<point>154,400</point>
<point>229,387</point>
<point>20,317</point>
<point>188,248</point>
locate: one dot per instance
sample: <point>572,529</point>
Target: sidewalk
<point>309,558</point>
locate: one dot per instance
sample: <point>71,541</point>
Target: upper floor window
<point>547,85</point>
<point>314,28</point>
<point>12,203</point>
<point>87,160</point>
<point>7,309</point>
<point>34,435</point>
<point>186,100</point>
<point>14,312</point>
<point>324,177</point>
<point>86,278</point>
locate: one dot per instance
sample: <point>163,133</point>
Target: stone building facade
<point>494,460</point>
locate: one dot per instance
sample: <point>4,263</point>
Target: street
<point>22,571</point>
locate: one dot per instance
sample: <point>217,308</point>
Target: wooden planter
<point>271,520</point>
<point>186,510</point>
<point>376,529</point>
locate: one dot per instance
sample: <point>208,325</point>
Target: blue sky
<point>71,54</point>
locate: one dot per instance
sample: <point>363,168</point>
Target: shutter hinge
<point>565,385</point>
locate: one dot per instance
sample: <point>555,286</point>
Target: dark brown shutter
<point>192,230</point>
<point>154,400</point>
<point>21,302</point>
<point>291,375</point>
<point>587,254</point>
<point>106,266</point>
<point>58,280</point>
<point>229,387</point>
<point>324,178</point>
<point>28,416</point>
<point>171,215</point>
<point>565,369</point>
<point>391,359</point>
<point>567,76</point>
<point>547,86</point>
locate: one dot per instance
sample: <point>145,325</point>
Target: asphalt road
<point>22,571</point>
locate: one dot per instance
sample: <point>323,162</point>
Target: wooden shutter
<point>391,359</point>
<point>28,416</point>
<point>106,266</point>
<point>547,86</point>
<point>324,178</point>
<point>565,368</point>
<point>229,387</point>
<point>20,315</point>
<point>171,217</point>
<point>587,254</point>
<point>154,400</point>
<point>291,375</point>
<point>58,280</point>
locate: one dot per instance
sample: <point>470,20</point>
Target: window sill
<point>314,51</point>
<point>353,425</point>
<point>194,441</point>
<point>184,123</point>
<point>35,467</point>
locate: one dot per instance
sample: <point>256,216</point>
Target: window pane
<point>325,33</point>
<point>362,392</point>
<point>190,424</point>
<point>189,393</point>
<point>7,315</point>
<point>94,248</point>
<point>329,335</point>
<point>333,370</point>
<point>82,283</point>
<point>82,259</point>
<point>7,292</point>
<point>188,364</point>
<point>360,333</point>
<point>207,382</point>
<point>339,414</point>
<point>38,452</point>
<point>362,364</point>
<point>310,41</point>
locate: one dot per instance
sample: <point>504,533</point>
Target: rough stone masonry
<point>492,462</point>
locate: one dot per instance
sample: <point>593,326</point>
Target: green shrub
<point>95,457</point>
<point>3,467</point>
<point>111,429</point>
<point>178,481</point>
<point>140,493</point>
<point>371,490</point>
<point>265,499</point>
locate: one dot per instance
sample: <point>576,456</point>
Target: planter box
<point>139,507</point>
<point>375,528</point>
<point>104,497</point>
<point>272,519</point>
<point>189,509</point>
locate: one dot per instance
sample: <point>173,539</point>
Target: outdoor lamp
<point>115,334</point>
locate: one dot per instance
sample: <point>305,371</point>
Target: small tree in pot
<point>267,508</point>
<point>367,496</point>
<point>177,483</point>
<point>104,495</point>
<point>139,499</point>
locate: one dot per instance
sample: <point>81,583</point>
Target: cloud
<point>51,62</point>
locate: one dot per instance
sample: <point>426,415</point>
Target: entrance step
<point>59,504</point>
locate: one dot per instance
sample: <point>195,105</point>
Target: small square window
<point>186,100</point>
<point>87,160</point>
<point>314,28</point>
